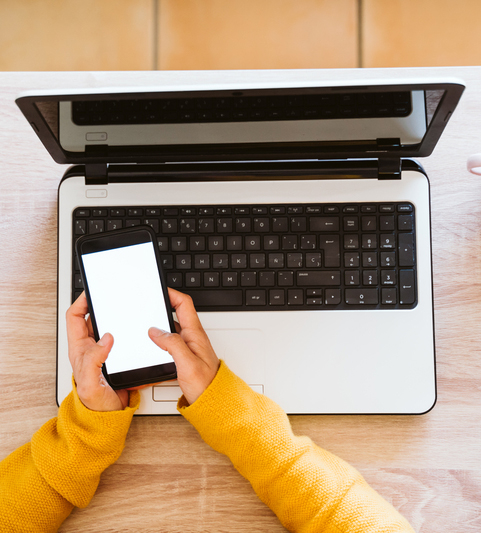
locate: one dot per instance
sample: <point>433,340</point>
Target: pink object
<point>474,164</point>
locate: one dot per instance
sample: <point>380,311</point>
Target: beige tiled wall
<point>76,34</point>
<point>414,33</point>
<point>232,34</point>
<point>239,34</point>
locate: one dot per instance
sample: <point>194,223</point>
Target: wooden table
<point>168,479</point>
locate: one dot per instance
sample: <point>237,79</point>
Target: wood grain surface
<point>167,478</point>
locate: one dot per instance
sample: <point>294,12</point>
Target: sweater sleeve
<point>308,488</point>
<point>60,468</point>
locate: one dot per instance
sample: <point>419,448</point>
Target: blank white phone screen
<point>127,299</point>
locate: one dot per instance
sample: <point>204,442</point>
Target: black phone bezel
<point>117,239</point>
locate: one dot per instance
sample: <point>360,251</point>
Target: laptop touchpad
<point>243,351</point>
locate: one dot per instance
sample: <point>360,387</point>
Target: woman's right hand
<point>194,357</point>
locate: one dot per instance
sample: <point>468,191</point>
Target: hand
<point>194,357</point>
<point>87,357</point>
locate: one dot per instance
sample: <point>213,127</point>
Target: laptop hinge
<point>96,174</point>
<point>389,168</point>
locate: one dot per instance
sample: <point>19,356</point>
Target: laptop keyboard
<point>276,257</point>
<point>165,110</point>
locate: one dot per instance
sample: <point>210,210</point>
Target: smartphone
<point>127,294</point>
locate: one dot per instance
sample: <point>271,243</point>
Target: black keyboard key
<point>215,243</point>
<point>201,261</point>
<point>80,227</point>
<point>332,296</point>
<point>313,260</point>
<point>406,249</point>
<point>290,242</point>
<point>362,296</point>
<point>178,244</point>
<point>369,241</point>
<point>169,225</point>
<point>405,222</point>
<point>211,279</point>
<point>318,278</point>
<point>386,223</point>
<point>96,226</point>
<point>253,243</point>
<point>324,224</point>
<point>192,279</point>
<point>256,297</point>
<point>216,298</point>
<point>330,246</point>
<point>174,280</point>
<point>280,224</point>
<point>387,241</point>
<point>220,261</point>
<point>271,242</point>
<point>388,296</point>
<point>114,224</point>
<point>261,225</point>
<point>308,242</point>
<point>206,225</point>
<point>187,225</point>
<point>406,287</point>
<point>388,259</point>
<point>295,297</point>
<point>388,277</point>
<point>243,225</point>
<point>233,243</point>
<point>276,297</point>
<point>351,223</point>
<point>230,279</point>
<point>248,279</point>
<point>183,262</point>
<point>239,261</point>
<point>224,225</point>
<point>267,279</point>
<point>197,244</point>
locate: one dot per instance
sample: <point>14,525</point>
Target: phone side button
<point>166,393</point>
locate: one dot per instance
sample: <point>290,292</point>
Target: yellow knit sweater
<point>60,468</point>
<point>308,488</point>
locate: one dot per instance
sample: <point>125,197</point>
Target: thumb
<point>102,349</point>
<point>170,342</point>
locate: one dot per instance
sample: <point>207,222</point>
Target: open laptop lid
<point>357,119</point>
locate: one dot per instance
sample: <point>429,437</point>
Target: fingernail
<point>104,340</point>
<point>156,332</point>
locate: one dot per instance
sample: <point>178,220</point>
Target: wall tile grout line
<point>360,33</point>
<point>155,54</point>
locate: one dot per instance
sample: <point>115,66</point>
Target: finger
<point>90,327</point>
<point>185,310</point>
<point>96,356</point>
<point>172,343</point>
<point>75,316</point>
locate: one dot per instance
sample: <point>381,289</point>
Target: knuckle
<point>187,299</point>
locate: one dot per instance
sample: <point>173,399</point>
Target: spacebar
<point>216,298</point>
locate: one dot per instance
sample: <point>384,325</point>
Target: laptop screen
<point>309,122</point>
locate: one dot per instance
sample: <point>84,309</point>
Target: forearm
<point>308,488</point>
<point>42,481</point>
<point>27,502</point>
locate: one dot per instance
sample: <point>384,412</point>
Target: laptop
<point>293,214</point>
